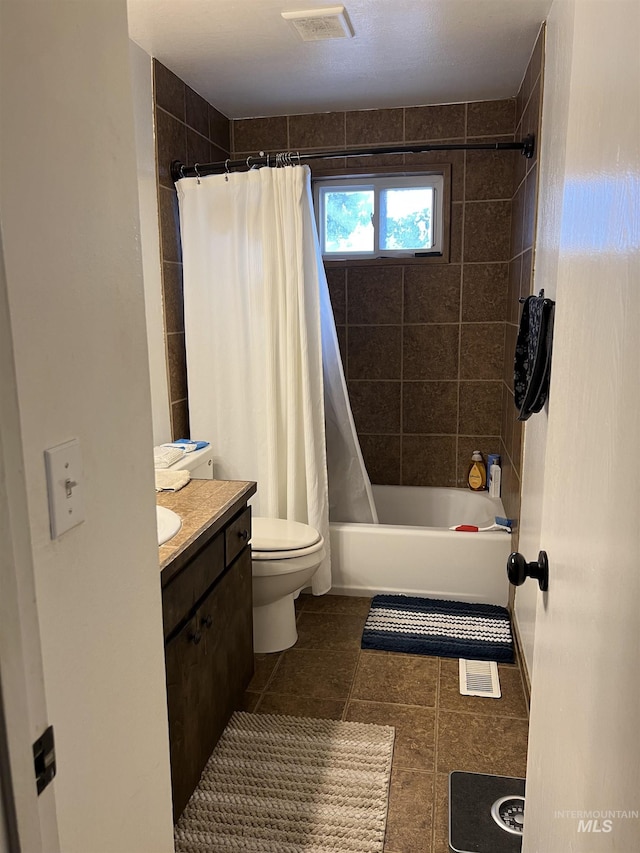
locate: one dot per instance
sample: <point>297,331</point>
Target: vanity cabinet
<point>207,616</point>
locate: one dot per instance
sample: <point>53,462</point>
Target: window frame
<point>383,178</point>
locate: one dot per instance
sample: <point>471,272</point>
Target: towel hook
<point>523,299</point>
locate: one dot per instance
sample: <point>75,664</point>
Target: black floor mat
<point>472,829</point>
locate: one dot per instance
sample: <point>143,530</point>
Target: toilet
<point>285,555</point>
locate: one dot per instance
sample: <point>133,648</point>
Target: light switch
<point>65,486</point>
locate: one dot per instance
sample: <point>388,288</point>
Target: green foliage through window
<point>348,221</point>
<point>379,216</point>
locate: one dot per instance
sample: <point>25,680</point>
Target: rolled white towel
<point>165,456</point>
<point>171,481</point>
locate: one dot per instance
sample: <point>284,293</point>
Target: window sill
<point>387,262</point>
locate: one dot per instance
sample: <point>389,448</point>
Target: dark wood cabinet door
<point>237,629</point>
<point>209,664</point>
<point>187,706</point>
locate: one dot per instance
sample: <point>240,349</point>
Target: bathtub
<point>412,551</point>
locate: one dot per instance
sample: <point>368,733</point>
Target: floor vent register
<point>479,678</point>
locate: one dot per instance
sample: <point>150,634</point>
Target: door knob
<point>518,570</point>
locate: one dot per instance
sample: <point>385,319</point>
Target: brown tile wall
<point>422,345</point>
<point>426,357</point>
<point>521,264</point>
<point>191,130</point>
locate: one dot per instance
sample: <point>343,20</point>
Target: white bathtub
<point>413,552</point>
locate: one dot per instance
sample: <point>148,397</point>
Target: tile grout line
<point>435,757</point>
<point>351,686</point>
<point>270,679</point>
<point>462,259</point>
<point>402,303</point>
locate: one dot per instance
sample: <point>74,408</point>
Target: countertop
<point>204,506</point>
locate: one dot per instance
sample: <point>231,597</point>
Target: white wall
<point>69,219</point>
<point>142,85</point>
<point>551,165</point>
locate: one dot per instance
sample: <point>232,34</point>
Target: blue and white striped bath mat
<point>429,626</point>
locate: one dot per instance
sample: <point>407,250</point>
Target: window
<point>380,217</point>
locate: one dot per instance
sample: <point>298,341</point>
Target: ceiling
<point>247,61</point>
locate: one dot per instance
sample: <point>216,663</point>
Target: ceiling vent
<point>318,24</point>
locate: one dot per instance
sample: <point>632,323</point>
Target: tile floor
<point>326,674</point>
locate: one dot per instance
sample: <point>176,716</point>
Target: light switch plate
<point>65,486</point>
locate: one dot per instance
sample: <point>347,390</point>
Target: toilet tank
<point>199,464</point>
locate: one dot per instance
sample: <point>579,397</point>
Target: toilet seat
<point>282,539</point>
<point>285,556</point>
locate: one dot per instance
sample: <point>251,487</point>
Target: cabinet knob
<point>244,535</point>
<point>195,637</point>
<point>518,570</point>
<point>207,621</point>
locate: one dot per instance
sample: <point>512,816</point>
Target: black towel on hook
<point>532,362</point>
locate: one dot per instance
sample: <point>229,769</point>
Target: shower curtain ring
<point>195,169</point>
<point>226,168</point>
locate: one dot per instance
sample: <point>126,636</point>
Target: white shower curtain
<point>254,292</point>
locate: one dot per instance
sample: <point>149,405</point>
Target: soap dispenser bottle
<point>477,476</point>
<point>495,476</point>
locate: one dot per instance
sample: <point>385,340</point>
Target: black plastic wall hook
<point>529,146</point>
<point>518,570</point>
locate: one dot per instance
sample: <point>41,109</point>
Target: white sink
<point>168,524</point>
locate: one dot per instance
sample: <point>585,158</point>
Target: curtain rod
<point>178,169</point>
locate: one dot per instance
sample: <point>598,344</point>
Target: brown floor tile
<point>511,703</point>
<point>315,674</point>
<point>482,744</point>
<point>441,814</point>
<point>410,818</point>
<point>332,631</point>
<point>300,706</point>
<point>248,701</point>
<point>263,666</point>
<point>403,679</point>
<point>346,604</point>
<point>415,730</point>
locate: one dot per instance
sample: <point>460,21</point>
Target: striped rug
<point>277,784</point>
<point>430,626</point>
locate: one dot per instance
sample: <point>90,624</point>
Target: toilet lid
<point>280,534</point>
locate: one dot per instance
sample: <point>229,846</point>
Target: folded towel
<point>189,444</point>
<point>164,457</point>
<point>171,481</point>
<point>182,446</point>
